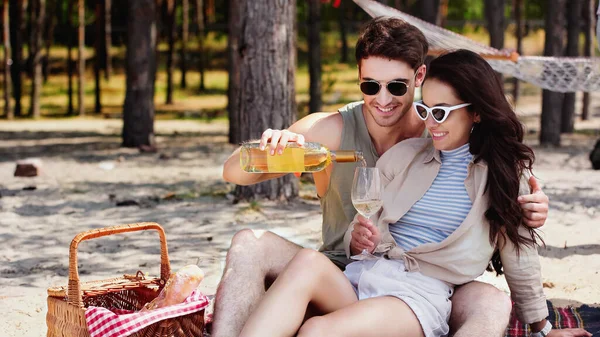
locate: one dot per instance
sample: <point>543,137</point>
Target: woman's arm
<point>524,277</point>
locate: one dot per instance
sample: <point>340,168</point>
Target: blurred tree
<point>210,13</point>
<point>98,54</point>
<point>266,68</point>
<point>16,40</point>
<point>314,55</point>
<point>170,26</point>
<point>70,65</point>
<point>343,26</point>
<point>589,25</point>
<point>159,22</point>
<point>8,113</point>
<point>552,102</point>
<point>574,9</point>
<point>429,10</point>
<point>518,8</point>
<point>466,10</point>
<point>38,11</point>
<point>52,9</point>
<point>138,108</point>
<point>442,14</point>
<point>496,24</point>
<point>81,57</point>
<point>200,33</point>
<point>185,25</point>
<point>107,39</point>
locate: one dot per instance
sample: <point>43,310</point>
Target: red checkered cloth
<point>103,322</point>
<point>585,317</point>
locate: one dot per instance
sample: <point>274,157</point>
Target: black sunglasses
<point>372,87</point>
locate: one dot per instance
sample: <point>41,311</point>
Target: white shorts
<point>427,297</point>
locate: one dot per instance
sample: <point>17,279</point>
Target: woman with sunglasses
<point>450,207</point>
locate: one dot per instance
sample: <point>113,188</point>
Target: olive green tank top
<point>336,204</point>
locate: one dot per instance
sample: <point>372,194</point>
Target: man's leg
<point>254,258</point>
<point>479,309</point>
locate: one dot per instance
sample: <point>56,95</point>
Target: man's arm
<point>323,127</point>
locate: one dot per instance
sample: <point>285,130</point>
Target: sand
<point>85,174</point>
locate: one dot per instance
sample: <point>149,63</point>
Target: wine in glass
<point>366,197</point>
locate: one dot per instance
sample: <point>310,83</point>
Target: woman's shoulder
<point>408,147</point>
<point>405,152</point>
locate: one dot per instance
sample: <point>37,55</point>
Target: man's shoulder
<point>351,107</point>
<point>321,127</point>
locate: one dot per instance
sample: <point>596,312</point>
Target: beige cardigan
<point>408,170</point>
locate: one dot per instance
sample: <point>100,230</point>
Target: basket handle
<point>74,293</point>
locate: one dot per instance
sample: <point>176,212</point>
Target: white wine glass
<point>367,191</point>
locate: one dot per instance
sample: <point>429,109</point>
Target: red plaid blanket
<point>584,317</point>
<point>103,322</point>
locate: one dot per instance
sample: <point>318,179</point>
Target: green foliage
<point>465,10</point>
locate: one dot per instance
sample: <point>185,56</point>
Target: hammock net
<point>561,74</point>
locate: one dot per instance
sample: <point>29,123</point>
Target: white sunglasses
<point>438,113</point>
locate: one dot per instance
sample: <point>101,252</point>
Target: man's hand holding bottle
<point>277,140</point>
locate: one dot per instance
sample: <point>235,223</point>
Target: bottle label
<point>292,160</point>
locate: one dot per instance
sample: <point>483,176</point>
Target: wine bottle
<point>312,157</point>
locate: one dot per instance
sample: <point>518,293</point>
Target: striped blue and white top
<point>443,207</point>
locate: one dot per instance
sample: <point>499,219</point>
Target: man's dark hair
<point>394,39</point>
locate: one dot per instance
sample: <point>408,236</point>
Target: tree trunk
<point>574,8</point>
<point>16,40</point>
<point>209,17</point>
<point>171,53</point>
<point>589,23</point>
<point>158,23</point>
<point>201,56</point>
<point>81,57</point>
<point>138,109</point>
<point>518,7</point>
<point>429,10</point>
<point>496,24</point>
<point>552,101</point>
<point>233,68</point>
<point>8,112</point>
<point>442,14</point>
<point>343,32</point>
<point>107,39</point>
<point>53,7</point>
<point>26,27</point>
<point>38,10</point>
<point>70,63</point>
<point>98,50</point>
<point>185,8</point>
<point>266,68</point>
<point>314,55</point>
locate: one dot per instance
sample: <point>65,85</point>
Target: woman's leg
<point>309,278</point>
<point>378,316</point>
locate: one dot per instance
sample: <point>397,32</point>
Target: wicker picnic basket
<point>67,305</point>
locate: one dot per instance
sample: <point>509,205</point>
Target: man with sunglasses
<point>390,54</point>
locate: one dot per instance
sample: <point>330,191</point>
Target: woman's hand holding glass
<point>365,236</point>
<point>367,191</point>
